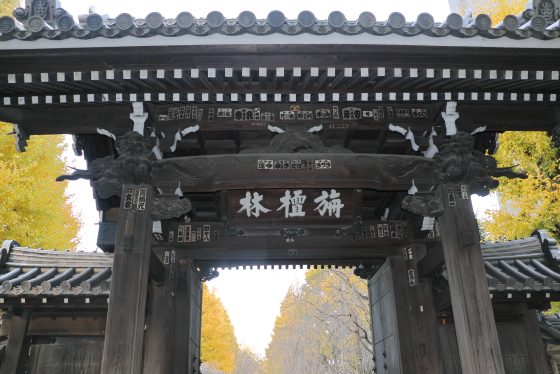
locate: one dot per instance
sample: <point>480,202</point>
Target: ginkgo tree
<point>34,209</point>
<point>7,6</point>
<point>218,344</point>
<point>323,327</point>
<point>526,204</point>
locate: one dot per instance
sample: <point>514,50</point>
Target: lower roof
<point>529,266</point>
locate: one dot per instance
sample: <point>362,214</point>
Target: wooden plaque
<point>291,207</point>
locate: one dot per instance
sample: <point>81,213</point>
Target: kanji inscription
<point>292,206</point>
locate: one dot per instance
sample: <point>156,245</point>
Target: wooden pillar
<point>536,347</point>
<point>404,317</point>
<point>423,316</point>
<point>174,320</point>
<point>477,338</point>
<point>122,353</point>
<point>17,348</point>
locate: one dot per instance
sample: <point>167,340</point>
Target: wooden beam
<point>122,352</point>
<point>430,262</point>
<point>477,338</point>
<point>224,172</point>
<point>86,120</point>
<point>70,120</point>
<point>17,349</point>
<point>68,323</point>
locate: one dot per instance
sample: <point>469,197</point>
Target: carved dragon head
<point>459,163</point>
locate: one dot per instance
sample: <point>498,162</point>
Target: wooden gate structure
<point>216,143</point>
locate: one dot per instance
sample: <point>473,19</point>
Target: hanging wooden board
<point>291,207</point>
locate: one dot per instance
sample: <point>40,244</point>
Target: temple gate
<point>218,143</point>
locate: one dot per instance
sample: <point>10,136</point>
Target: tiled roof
<point>516,270</point>
<point>62,25</point>
<point>550,328</point>
<point>35,272</point>
<point>523,265</point>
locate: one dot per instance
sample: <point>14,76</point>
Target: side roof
<point>528,267</point>
<point>38,272</point>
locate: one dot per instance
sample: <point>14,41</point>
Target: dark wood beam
<point>86,120</point>
<point>70,120</point>
<point>240,172</point>
<point>431,262</point>
<point>239,55</point>
<point>68,323</point>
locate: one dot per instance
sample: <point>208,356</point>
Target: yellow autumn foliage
<point>7,6</point>
<point>323,327</point>
<point>34,209</point>
<point>526,204</point>
<point>218,344</point>
<point>496,9</point>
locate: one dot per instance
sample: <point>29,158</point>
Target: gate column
<point>463,171</point>
<point>124,334</point>
<point>477,338</point>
